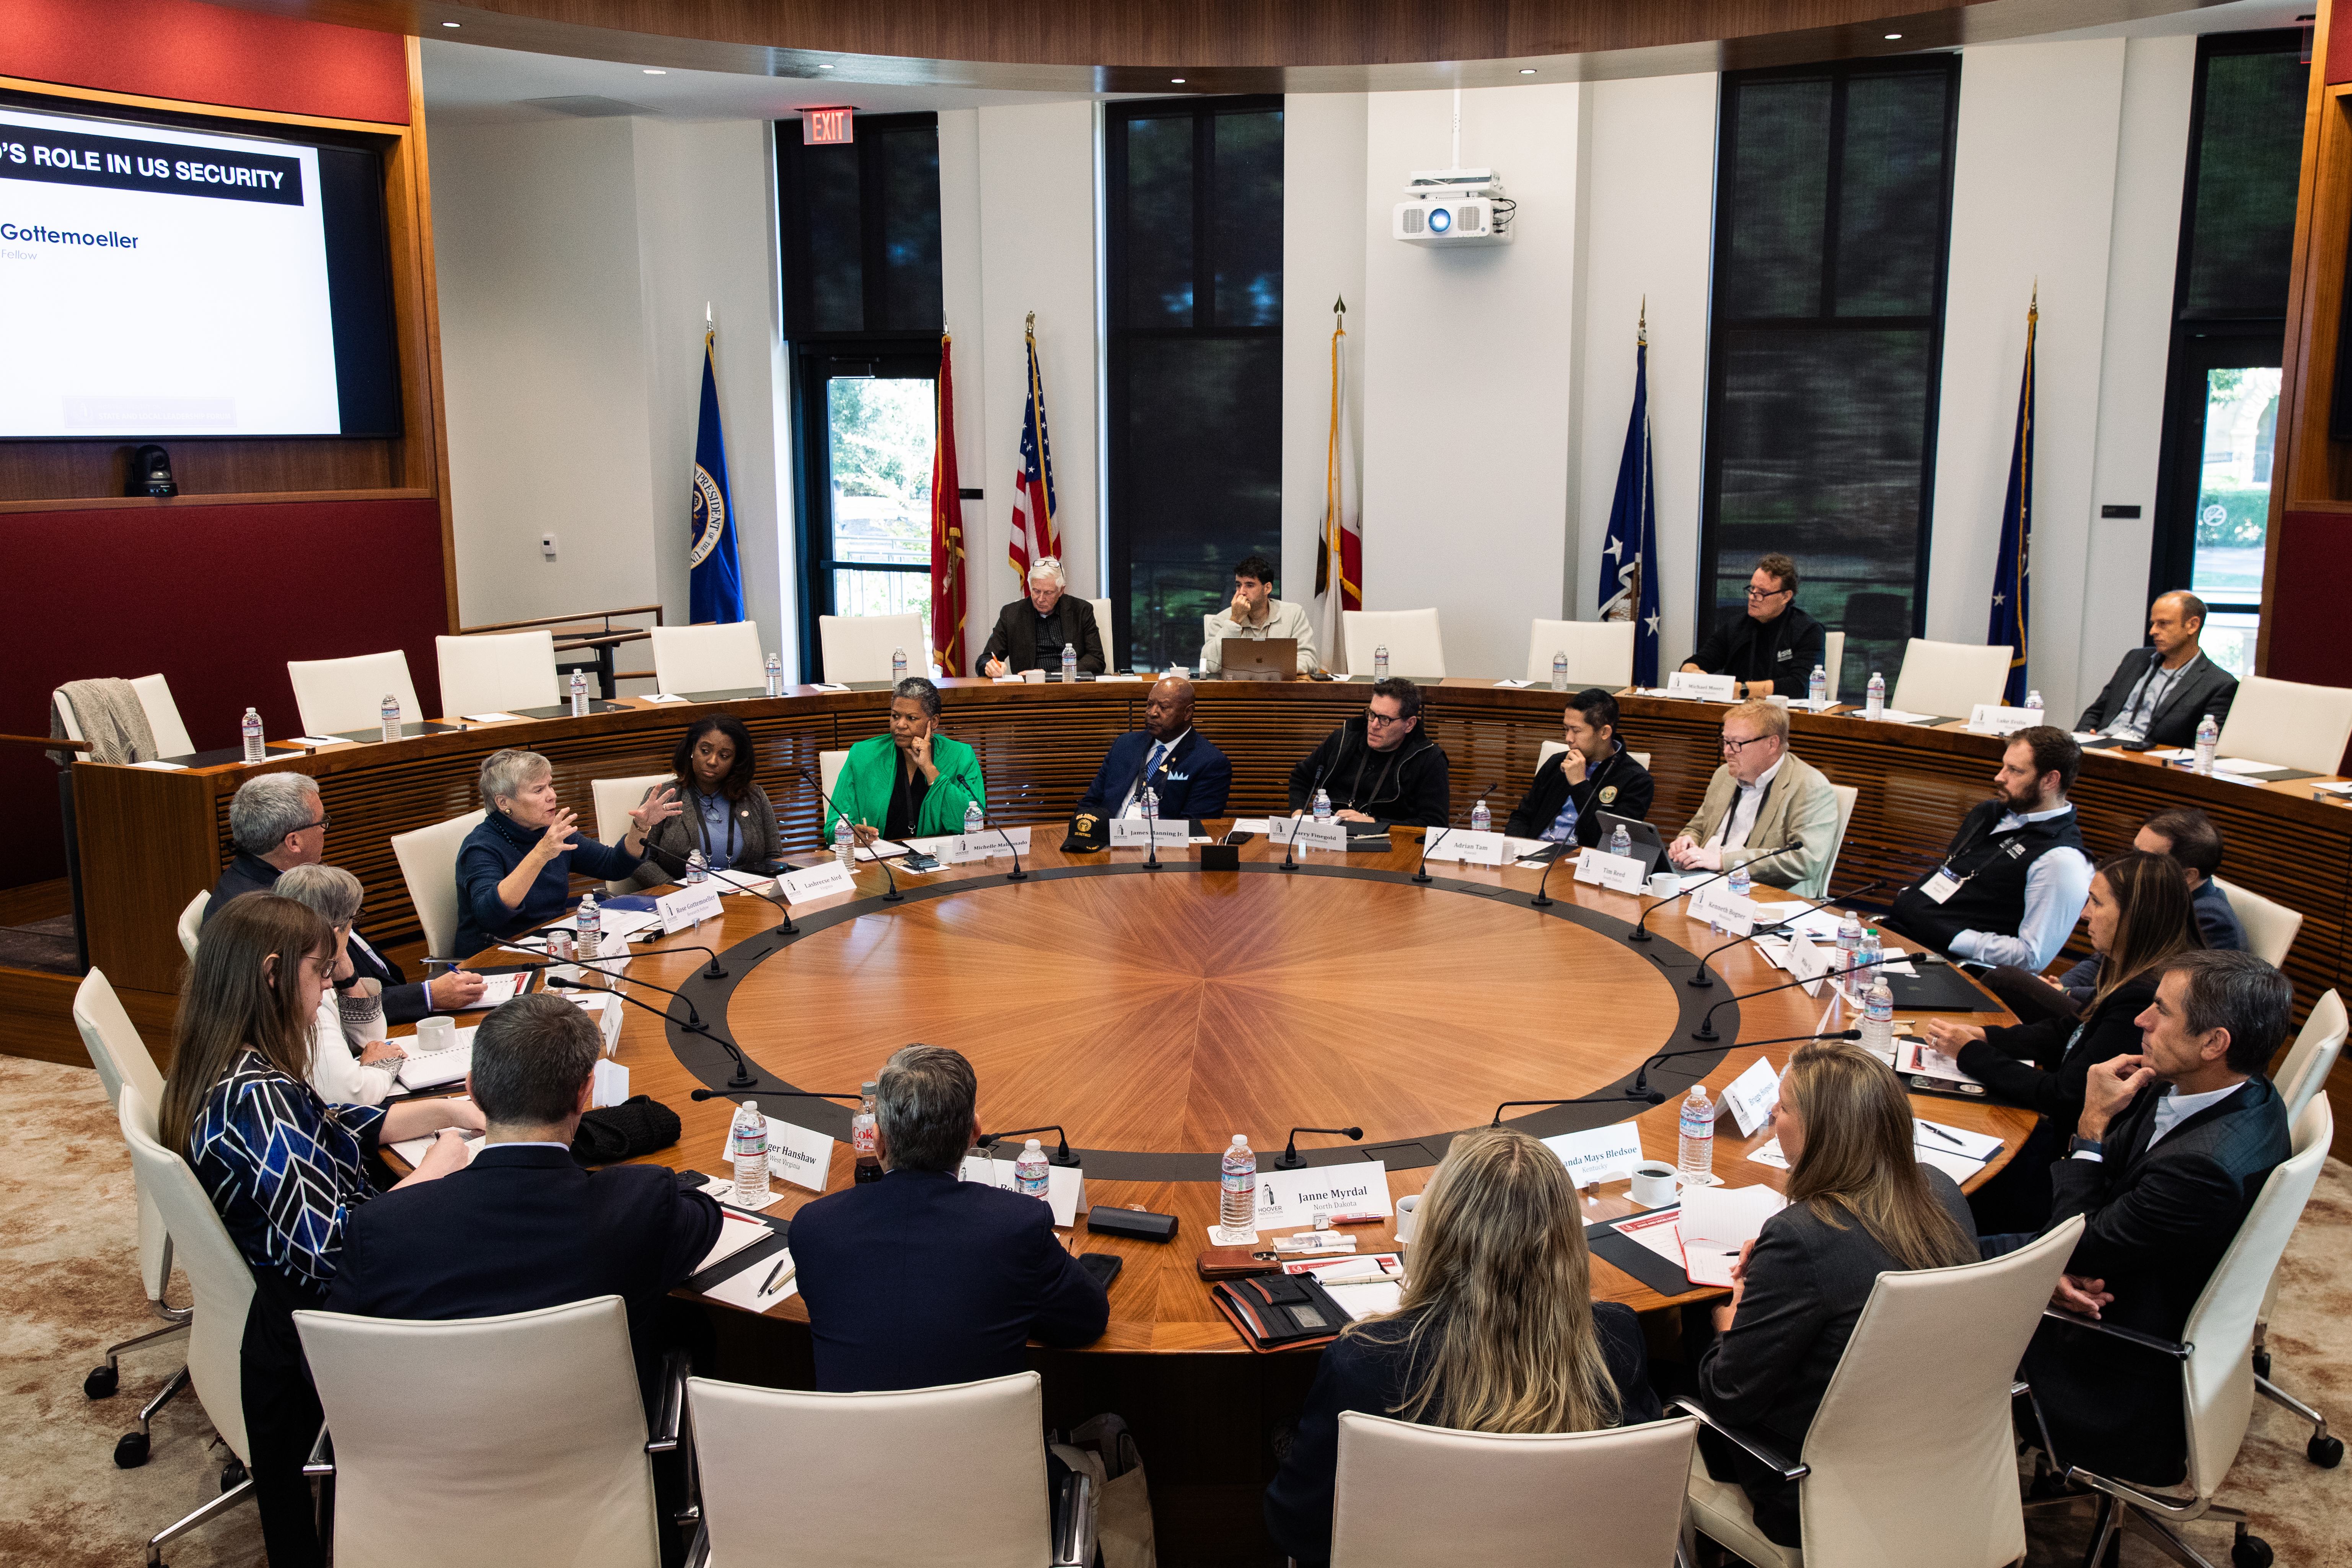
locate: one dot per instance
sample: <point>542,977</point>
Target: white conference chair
<point>828,767</point>
<point>1416,647</point>
<point>1878,1484</point>
<point>549,1463</point>
<point>2300,1076</point>
<point>978,1447</point>
<point>858,647</point>
<point>1833,660</point>
<point>428,864</point>
<point>1408,1496</point>
<point>1948,679</point>
<point>498,674</point>
<point>1846,796</point>
<point>1599,653</point>
<point>192,921</point>
<point>2217,1383</point>
<point>122,1058</point>
<point>336,696</point>
<point>2290,723</point>
<point>1112,659</point>
<point>223,1286</point>
<point>2271,927</point>
<point>727,657</point>
<point>163,717</point>
<point>613,800</point>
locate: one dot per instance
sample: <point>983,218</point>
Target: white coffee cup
<point>1179,671</point>
<point>1654,1183</point>
<point>435,1034</point>
<point>1664,884</point>
<point>1408,1217</point>
<point>1034,677</point>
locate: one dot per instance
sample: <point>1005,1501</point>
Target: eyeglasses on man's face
<point>1733,744</point>
<point>1757,594</point>
<point>1379,719</point>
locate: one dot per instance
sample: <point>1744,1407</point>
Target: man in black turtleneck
<point>1380,768</point>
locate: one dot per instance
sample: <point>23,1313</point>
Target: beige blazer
<point>1799,805</point>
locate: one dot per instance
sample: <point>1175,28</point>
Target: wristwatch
<point>2078,1144</point>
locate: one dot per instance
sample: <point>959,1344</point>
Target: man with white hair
<point>279,823</point>
<point>1030,633</point>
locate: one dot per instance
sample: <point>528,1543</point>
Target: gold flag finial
<point>1032,321</point>
<point>2033,306</point>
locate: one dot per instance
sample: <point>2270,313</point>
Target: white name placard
<point>1311,834</point>
<point>1703,687</point>
<point>611,1085</point>
<point>1065,1186</point>
<point>1621,873</point>
<point>687,907</point>
<point>798,1155</point>
<point>1749,1096</point>
<point>964,848</point>
<point>1599,1153</point>
<point>1992,718</point>
<point>816,882</point>
<point>1135,832</point>
<point>1296,1197</point>
<point>1716,902</point>
<point>1809,962</point>
<point>1469,849</point>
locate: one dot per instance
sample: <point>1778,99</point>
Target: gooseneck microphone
<point>565,983</point>
<point>1290,1159</point>
<point>1641,1080</point>
<point>787,929</point>
<point>893,895</point>
<point>1596,1098</point>
<point>744,1077</point>
<point>1539,901</point>
<point>1640,932</point>
<point>1016,874</point>
<point>1430,841</point>
<point>773,1094</point>
<point>1705,1030</point>
<point>1061,1156</point>
<point>713,970</point>
<point>1289,855</point>
<point>1702,979</point>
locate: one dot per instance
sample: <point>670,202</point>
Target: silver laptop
<point>1252,659</point>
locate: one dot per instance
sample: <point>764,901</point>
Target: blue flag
<point>717,571</point>
<point>1629,574</point>
<point>2011,580</point>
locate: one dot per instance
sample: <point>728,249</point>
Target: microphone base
<point>1016,875</point>
<point>1637,935</point>
<point>1290,1160</point>
<point>1151,865</point>
<point>1540,902</point>
<point>893,895</point>
<point>1705,1032</point>
<point>1288,866</point>
<point>1702,981</point>
<point>787,929</point>
<point>1065,1159</point>
<point>744,1078</point>
<point>715,972</point>
<point>1423,876</point>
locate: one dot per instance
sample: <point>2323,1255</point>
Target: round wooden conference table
<point>1153,1014</point>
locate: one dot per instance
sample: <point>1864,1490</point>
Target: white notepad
<point>1717,1222</point>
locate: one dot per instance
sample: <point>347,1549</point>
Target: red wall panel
<point>217,597</point>
<point>205,54</point>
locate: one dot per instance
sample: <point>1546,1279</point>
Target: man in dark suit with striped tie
<point>1191,778</point>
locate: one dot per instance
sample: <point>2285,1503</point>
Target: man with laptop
<point>1255,616</point>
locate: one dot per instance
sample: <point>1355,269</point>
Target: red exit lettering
<point>826,127</point>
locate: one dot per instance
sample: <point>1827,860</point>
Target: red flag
<point>947,527</point>
<point>1035,536</point>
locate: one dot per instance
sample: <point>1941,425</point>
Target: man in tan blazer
<point>1759,799</point>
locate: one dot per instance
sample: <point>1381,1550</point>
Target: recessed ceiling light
<point>1891,36</point>
<point>453,24</point>
<point>825,68</point>
<point>1527,70</point>
<point>650,71</point>
<point>1176,81</point>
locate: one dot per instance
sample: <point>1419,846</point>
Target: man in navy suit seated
<point>523,1227</point>
<point>1191,776</point>
<point>920,1278</point>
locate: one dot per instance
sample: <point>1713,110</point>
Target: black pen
<point>1931,1127</point>
<point>783,1263</point>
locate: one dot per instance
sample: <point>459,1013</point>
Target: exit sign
<point>826,127</point>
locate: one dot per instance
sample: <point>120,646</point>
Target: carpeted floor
<point>46,945</point>
<point>68,1287</point>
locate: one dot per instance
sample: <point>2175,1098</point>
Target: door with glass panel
<point>868,423</point>
<point>2214,512</point>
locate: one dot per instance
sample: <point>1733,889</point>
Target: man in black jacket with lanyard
<point>1380,767</point>
<point>1772,648</point>
<point>2173,1147</point>
<point>1596,774</point>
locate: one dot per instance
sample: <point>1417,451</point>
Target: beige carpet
<point>69,1286</point>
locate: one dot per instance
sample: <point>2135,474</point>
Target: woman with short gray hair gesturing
<point>514,871</point>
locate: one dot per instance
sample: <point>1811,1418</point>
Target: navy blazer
<point>489,854</point>
<point>1192,781</point>
<point>404,1002</point>
<point>523,1227</point>
<point>919,1279</point>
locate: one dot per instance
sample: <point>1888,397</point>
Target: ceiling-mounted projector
<point>1454,206</point>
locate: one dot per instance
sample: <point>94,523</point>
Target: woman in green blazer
<point>911,783</point>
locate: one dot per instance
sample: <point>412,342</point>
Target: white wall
<point>2033,199</point>
<point>1323,250</point>
<point>1467,376</point>
<point>960,292</point>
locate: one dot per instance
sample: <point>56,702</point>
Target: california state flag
<point>1339,555</point>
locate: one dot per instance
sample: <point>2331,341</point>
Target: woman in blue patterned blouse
<point>284,1168</point>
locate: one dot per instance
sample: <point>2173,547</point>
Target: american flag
<point>1035,534</point>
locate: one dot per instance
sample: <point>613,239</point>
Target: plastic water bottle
<point>579,694</point>
<point>1322,806</point>
<point>862,1148</point>
<point>2208,741</point>
<point>1872,956</point>
<point>1148,802</point>
<point>1621,842</point>
<point>1031,1176</point>
<point>1560,671</point>
<point>1741,880</point>
<point>973,822</point>
<point>1481,819</point>
<point>389,709</point>
<point>1849,949</point>
<point>1380,662</point>
<point>1069,662</point>
<point>1878,1021</point>
<point>897,665</point>
<point>1237,1188</point>
<point>775,675</point>
<point>698,870</point>
<point>845,846</point>
<point>251,727</point>
<point>1875,706</point>
<point>2033,703</point>
<point>590,924</point>
<point>1697,1158</point>
<point>746,1145</point>
<point>1817,687</point>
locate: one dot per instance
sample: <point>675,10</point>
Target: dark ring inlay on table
<point>706,1060</point>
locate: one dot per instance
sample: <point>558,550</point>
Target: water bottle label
<point>751,1142</point>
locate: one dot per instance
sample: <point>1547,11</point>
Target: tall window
<point>860,233</point>
<point>1194,285</point>
<point>2230,290</point>
<point>1833,209</point>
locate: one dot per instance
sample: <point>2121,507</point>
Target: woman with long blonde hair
<point>1859,1204</point>
<point>1497,1330</point>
